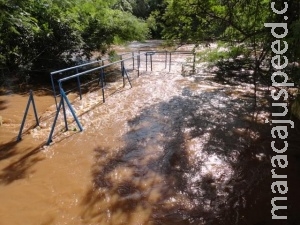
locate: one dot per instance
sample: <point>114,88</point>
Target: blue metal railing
<point>77,76</point>
<point>63,97</point>
<point>76,68</point>
<point>30,100</point>
<point>166,53</point>
<point>62,105</point>
<point>60,81</point>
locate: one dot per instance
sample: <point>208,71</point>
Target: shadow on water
<point>21,158</point>
<point>159,177</point>
<point>235,72</point>
<point>21,165</point>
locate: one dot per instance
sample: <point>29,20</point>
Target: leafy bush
<point>223,52</point>
<point>113,56</point>
<point>44,35</point>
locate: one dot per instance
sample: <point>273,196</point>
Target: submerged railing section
<point>96,67</point>
<point>30,101</point>
<point>168,56</point>
<point>101,80</point>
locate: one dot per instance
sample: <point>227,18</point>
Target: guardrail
<point>167,53</point>
<point>101,79</point>
<point>77,77</point>
<point>78,67</point>
<point>30,100</point>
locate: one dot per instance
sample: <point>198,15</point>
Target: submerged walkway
<point>167,151</point>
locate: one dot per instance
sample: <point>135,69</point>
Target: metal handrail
<point>101,68</point>
<point>77,75</point>
<point>92,70</point>
<point>65,99</point>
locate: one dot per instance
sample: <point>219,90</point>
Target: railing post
<point>123,72</point>
<point>79,85</point>
<point>194,62</point>
<point>170,60</point>
<point>54,123</point>
<point>138,62</point>
<point>34,109</point>
<point>166,59</point>
<point>146,61</point>
<point>63,98</point>
<point>132,60</point>
<point>151,60</point>
<point>63,105</point>
<point>53,87</point>
<point>65,114</point>
<point>71,109</point>
<point>30,99</point>
<point>102,83</point>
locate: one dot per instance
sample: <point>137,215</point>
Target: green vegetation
<point>240,23</point>
<point>222,52</point>
<point>41,35</point>
<point>38,36</point>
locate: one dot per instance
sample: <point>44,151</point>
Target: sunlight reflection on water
<point>158,153</point>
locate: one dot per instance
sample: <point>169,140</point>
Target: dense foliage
<point>239,23</point>
<point>40,35</point>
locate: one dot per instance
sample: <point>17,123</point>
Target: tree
<point>105,26</point>
<point>149,10</point>
<point>42,35</point>
<point>231,19</point>
<point>18,28</point>
<point>235,21</point>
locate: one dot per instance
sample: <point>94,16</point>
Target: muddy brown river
<point>162,152</point>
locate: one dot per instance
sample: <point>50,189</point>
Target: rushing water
<point>161,152</point>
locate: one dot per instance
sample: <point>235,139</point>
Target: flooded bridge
<point>164,150</point>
